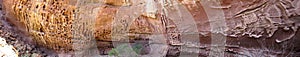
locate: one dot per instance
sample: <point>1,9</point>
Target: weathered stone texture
<point>252,25</point>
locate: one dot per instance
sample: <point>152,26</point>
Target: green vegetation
<point>125,48</point>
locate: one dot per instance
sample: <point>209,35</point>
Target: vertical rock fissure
<point>218,27</point>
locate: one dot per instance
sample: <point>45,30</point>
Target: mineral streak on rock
<point>83,28</point>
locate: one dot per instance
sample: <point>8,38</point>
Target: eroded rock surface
<point>247,27</point>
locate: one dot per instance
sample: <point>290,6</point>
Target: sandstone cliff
<point>212,27</point>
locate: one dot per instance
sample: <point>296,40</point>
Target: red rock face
<point>231,27</point>
<point>252,24</point>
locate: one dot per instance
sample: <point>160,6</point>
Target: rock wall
<point>230,27</point>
